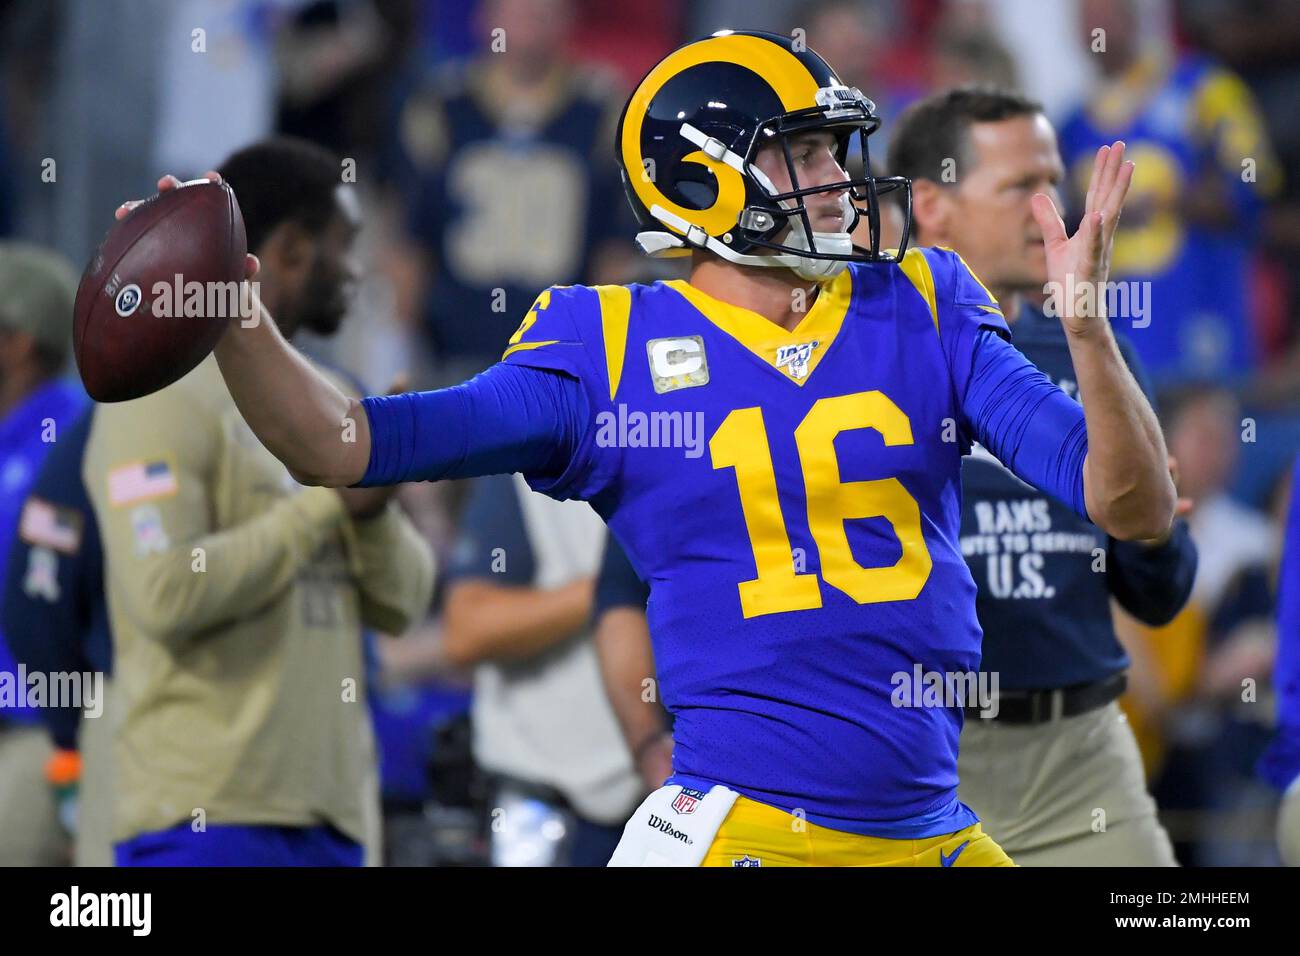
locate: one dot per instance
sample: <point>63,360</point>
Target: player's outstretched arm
<point>514,417</point>
<point>1125,477</point>
<point>320,434</point>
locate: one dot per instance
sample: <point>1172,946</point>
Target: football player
<point>777,444</point>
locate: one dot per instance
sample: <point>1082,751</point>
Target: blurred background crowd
<point>487,175</point>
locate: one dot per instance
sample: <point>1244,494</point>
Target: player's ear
<point>287,249</point>
<point>931,211</point>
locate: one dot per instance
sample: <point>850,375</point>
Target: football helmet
<point>689,136</point>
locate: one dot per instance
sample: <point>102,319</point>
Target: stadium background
<point>536,204</point>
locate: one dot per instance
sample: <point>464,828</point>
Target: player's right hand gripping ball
<point>160,291</point>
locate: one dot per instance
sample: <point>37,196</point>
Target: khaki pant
<point>372,819</point>
<point>1070,792</point>
<point>30,831</point>
<point>1288,826</point>
<point>94,843</point>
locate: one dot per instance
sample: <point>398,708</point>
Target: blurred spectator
<point>1041,38</point>
<point>445,31</point>
<point>85,113</point>
<point>505,192</point>
<point>965,57</point>
<point>519,611</point>
<point>1260,40</point>
<point>338,62</point>
<point>708,16</point>
<point>36,409</point>
<point>627,38</point>
<point>1204,167</point>
<point>416,699</point>
<point>7,212</point>
<point>215,63</point>
<point>1200,733</point>
<point>859,40</point>
<point>54,614</point>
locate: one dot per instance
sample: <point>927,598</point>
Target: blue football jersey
<point>793,500</point>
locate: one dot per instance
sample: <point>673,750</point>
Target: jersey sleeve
<point>506,419</point>
<point>565,332</point>
<point>550,337</point>
<point>534,412</point>
<point>1026,421</point>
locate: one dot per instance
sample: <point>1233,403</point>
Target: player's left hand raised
<point>1078,265</point>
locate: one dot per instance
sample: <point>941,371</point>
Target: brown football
<point>160,291</point>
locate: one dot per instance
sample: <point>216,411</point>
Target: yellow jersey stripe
<point>615,311</point>
<point>992,298</point>
<point>917,269</point>
<point>525,346</point>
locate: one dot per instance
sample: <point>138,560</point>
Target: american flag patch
<point>140,481</point>
<point>48,526</point>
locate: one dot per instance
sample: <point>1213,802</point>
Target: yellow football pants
<point>755,834</point>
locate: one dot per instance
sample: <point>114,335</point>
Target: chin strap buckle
<point>757,220</point>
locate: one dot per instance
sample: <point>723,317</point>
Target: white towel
<point>674,826</point>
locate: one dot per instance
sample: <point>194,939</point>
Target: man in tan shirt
<point>238,597</point>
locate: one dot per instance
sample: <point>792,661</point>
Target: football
<point>159,291</point>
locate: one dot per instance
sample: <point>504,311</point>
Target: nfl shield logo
<point>747,860</point>
<point>795,358</point>
<point>687,801</point>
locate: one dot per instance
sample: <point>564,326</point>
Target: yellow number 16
<point>741,443</point>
